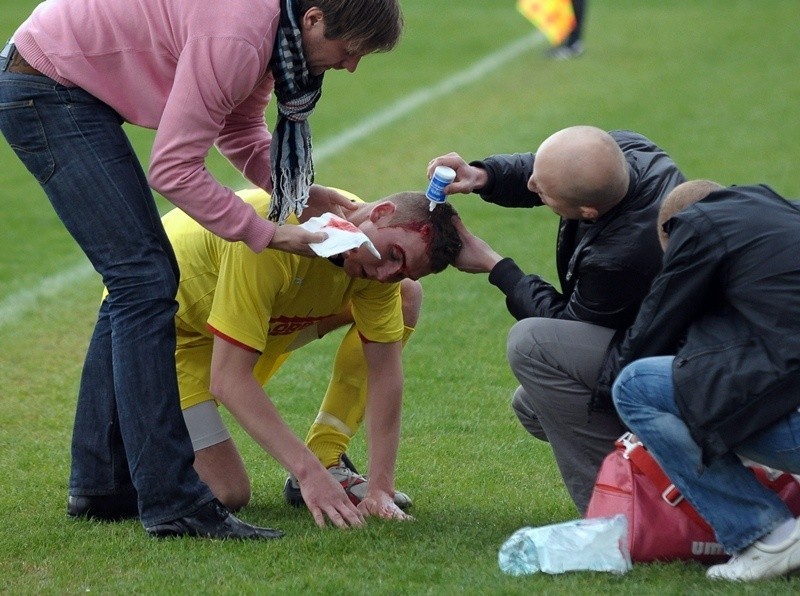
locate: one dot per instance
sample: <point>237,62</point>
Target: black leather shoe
<point>212,520</point>
<point>103,507</point>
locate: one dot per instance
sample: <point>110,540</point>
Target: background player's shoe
<point>566,51</point>
<point>353,483</point>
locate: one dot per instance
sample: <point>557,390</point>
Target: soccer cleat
<point>353,483</point>
<point>761,561</point>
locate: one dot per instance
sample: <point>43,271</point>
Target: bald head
<point>581,166</point>
<point>679,199</point>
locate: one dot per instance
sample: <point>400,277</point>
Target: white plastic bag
<point>598,544</point>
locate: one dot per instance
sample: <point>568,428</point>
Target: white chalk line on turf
<point>16,305</point>
<point>412,102</point>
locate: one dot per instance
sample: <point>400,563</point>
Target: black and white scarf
<point>297,91</point>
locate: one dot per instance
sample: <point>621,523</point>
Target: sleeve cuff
<point>489,186</point>
<point>506,275</point>
<point>260,234</point>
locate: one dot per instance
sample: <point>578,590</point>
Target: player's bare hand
<point>381,504</point>
<point>468,178</point>
<point>322,199</point>
<point>326,500</point>
<point>476,256</point>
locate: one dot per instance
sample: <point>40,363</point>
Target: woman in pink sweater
<point>200,74</point>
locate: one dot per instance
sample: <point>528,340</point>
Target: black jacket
<point>727,303</point>
<point>605,268</point>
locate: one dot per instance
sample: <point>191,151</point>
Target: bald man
<point>606,187</point>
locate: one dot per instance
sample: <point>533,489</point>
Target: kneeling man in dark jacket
<point>713,366</point>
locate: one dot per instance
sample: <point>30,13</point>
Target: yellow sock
<point>345,402</point>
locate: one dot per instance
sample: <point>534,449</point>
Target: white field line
<point>425,96</point>
<point>16,305</point>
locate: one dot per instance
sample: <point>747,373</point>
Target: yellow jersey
<point>260,301</point>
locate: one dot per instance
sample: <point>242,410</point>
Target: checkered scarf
<point>297,91</point>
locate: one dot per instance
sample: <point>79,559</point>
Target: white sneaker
<point>353,483</point>
<point>761,561</point>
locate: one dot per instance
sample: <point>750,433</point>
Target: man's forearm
<point>384,412</point>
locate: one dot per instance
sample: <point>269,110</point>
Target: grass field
<point>716,83</point>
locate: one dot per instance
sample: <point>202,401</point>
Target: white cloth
<point>342,236</point>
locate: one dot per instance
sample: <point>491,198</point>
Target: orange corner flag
<point>554,18</point>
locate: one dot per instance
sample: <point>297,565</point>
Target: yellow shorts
<point>193,363</point>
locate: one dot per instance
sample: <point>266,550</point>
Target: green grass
<point>715,83</point>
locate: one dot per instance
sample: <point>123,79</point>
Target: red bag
<point>662,525</point>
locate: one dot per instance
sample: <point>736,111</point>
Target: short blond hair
<point>679,199</point>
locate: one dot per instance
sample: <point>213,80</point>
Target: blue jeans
<point>129,433</point>
<point>728,496</point>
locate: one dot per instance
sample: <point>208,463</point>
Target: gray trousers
<point>556,363</point>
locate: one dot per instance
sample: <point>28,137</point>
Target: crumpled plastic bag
<point>597,544</point>
<point>342,236</point>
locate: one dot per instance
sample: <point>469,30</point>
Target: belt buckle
<point>628,442</point>
<point>672,496</point>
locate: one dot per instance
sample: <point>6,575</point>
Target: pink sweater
<point>196,71</point>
